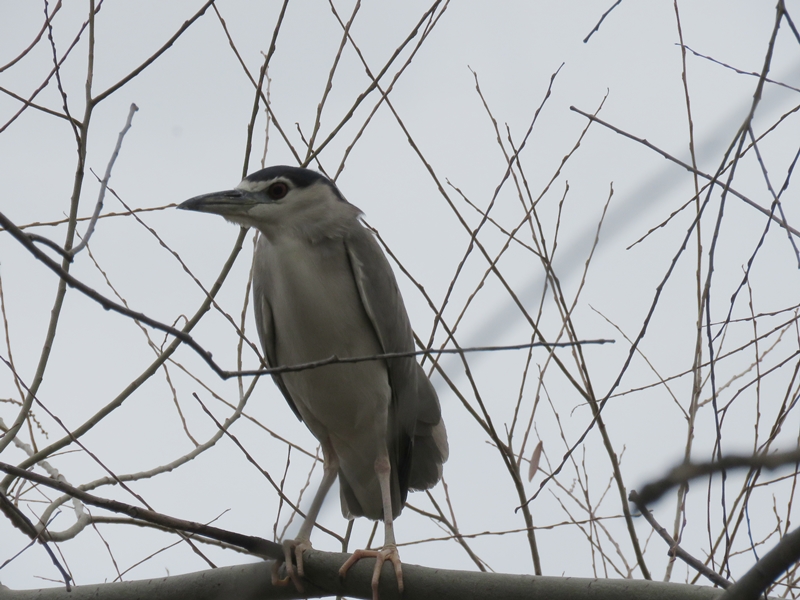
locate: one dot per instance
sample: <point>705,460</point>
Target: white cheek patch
<point>251,186</point>
<point>259,186</point>
<point>316,209</point>
<point>317,194</point>
<point>247,216</point>
<point>260,212</point>
<point>241,220</point>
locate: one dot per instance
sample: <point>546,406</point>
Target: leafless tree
<point>576,361</point>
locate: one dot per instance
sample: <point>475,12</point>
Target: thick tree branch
<point>252,582</point>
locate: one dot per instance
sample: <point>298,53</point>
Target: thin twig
<point>256,545</point>
<point>713,179</point>
<point>674,548</point>
<point>597,27</point>
<point>104,184</point>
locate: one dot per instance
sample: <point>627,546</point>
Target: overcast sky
<point>189,137</point>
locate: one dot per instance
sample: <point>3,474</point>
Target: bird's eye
<point>277,190</point>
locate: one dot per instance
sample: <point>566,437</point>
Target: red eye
<point>277,190</point>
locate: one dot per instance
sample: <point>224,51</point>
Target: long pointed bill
<point>230,203</point>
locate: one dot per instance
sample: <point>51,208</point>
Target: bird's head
<point>280,198</point>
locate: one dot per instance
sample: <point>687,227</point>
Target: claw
<point>292,553</point>
<point>389,553</point>
<point>276,577</point>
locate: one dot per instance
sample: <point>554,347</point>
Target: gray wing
<point>417,436</point>
<point>264,322</point>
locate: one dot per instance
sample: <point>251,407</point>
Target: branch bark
<point>251,582</point>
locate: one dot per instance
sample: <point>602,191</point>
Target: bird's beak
<point>229,203</point>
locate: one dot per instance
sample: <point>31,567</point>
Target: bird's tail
<point>430,452</point>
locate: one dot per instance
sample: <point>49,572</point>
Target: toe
<point>381,556</point>
<point>376,576</point>
<point>298,553</point>
<point>276,577</point>
<point>354,558</point>
<point>398,569</point>
<point>293,553</point>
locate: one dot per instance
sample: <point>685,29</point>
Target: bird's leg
<point>293,549</point>
<point>389,550</point>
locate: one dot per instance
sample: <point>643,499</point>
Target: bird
<point>322,287</point>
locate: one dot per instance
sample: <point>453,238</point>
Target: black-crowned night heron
<point>322,287</point>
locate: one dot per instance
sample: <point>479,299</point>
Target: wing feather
<point>418,441</point>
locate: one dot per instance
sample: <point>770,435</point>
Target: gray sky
<point>188,137</point>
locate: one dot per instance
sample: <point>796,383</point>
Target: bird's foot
<point>292,553</point>
<point>381,556</point>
